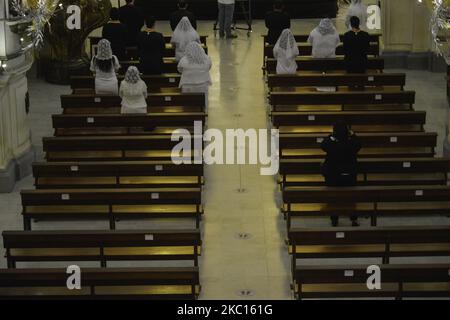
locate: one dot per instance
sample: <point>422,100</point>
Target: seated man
<point>276,21</point>
<point>182,11</point>
<point>116,33</point>
<point>131,16</point>
<point>340,168</point>
<point>356,46</point>
<point>151,49</point>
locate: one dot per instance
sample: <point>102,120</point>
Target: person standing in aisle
<point>226,13</point>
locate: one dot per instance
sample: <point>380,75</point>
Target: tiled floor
<point>237,100</point>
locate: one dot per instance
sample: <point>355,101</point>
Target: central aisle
<point>230,264</point>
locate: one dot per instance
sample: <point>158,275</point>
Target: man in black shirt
<point>276,21</point>
<point>151,49</point>
<point>356,46</point>
<point>182,11</point>
<point>131,16</point>
<point>116,33</point>
<point>340,168</point>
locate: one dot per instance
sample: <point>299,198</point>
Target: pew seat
<point>102,246</point>
<point>99,284</point>
<point>111,204</point>
<point>117,174</point>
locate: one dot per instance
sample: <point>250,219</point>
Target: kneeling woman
<point>194,68</point>
<point>133,92</point>
<point>104,64</point>
<point>286,52</point>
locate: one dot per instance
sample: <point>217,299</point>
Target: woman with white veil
<point>324,40</point>
<point>133,92</point>
<point>358,9</point>
<point>286,52</point>
<point>104,65</point>
<point>194,68</point>
<point>183,34</point>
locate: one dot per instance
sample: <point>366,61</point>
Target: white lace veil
<point>195,54</point>
<point>287,45</point>
<point>184,33</point>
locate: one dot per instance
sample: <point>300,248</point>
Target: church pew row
<point>373,201</point>
<point>305,49</point>
<point>371,172</point>
<point>373,37</point>
<point>169,66</point>
<point>291,100</point>
<point>173,102</point>
<point>117,174</point>
<point>307,64</point>
<point>155,83</point>
<point>374,145</point>
<point>383,243</point>
<point>133,52</point>
<point>397,281</point>
<point>370,121</point>
<point>125,124</point>
<point>101,283</point>
<point>111,204</point>
<point>117,148</point>
<point>102,246</point>
<point>279,82</point>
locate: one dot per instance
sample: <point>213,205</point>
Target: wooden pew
<point>93,41</point>
<point>397,281</point>
<point>307,64</point>
<point>111,204</point>
<point>169,52</point>
<point>277,81</point>
<point>101,283</point>
<point>132,53</point>
<point>371,172</point>
<point>124,124</point>
<point>373,37</point>
<point>102,246</point>
<point>373,201</point>
<point>370,121</point>
<point>117,174</point>
<point>293,101</point>
<point>108,104</point>
<point>305,49</point>
<point>383,243</point>
<point>374,145</point>
<point>115,148</point>
<point>155,83</point>
<point>170,66</point>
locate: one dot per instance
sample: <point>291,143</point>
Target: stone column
<point>16,151</point>
<point>406,36</point>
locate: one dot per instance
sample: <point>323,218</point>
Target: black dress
<point>340,168</point>
<point>276,22</point>
<point>151,52</point>
<point>176,17</point>
<point>116,33</point>
<point>356,48</point>
<point>133,18</point>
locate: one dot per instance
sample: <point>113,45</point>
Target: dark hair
<point>341,130</point>
<point>354,22</point>
<point>278,4</point>
<point>114,14</point>
<point>150,21</point>
<point>128,1</point>
<point>182,4</point>
<point>104,65</point>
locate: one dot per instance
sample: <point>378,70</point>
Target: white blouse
<point>136,101</point>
